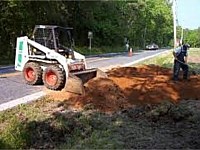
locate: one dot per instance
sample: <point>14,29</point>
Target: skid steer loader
<point>48,57</point>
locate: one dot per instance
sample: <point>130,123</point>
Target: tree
<point>141,21</point>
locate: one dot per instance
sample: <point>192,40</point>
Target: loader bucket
<point>76,80</point>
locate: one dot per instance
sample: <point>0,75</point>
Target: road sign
<point>90,35</point>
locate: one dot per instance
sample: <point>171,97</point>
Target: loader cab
<point>55,38</point>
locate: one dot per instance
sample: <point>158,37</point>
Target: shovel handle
<point>182,62</point>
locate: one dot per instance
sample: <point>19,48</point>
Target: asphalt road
<point>13,87</point>
<point>8,69</point>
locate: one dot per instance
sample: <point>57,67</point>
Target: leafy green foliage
<point>191,37</point>
<point>142,22</point>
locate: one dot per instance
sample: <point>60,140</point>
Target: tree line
<point>193,37</point>
<point>140,21</point>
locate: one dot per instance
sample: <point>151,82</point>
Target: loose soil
<point>129,86</point>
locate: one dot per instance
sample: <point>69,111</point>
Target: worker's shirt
<point>181,53</point>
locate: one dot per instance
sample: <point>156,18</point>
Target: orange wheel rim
<point>29,74</point>
<point>51,78</point>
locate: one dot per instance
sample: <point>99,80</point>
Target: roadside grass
<point>194,52</point>
<point>5,64</point>
<point>166,60</point>
<point>13,124</point>
<point>99,50</point>
<point>47,124</point>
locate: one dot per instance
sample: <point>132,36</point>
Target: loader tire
<point>54,78</point>
<point>32,73</point>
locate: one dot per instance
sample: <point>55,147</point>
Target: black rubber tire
<point>32,73</point>
<point>58,74</point>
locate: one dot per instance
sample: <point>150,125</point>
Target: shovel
<point>192,72</point>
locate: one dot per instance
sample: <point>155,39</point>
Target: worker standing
<point>127,46</point>
<point>180,61</point>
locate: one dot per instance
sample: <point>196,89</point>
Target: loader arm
<point>50,54</point>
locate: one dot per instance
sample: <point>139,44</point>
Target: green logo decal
<point>20,53</point>
<point>19,58</point>
<point>21,45</point>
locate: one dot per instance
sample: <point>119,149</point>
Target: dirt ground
<point>129,86</point>
<point>121,111</point>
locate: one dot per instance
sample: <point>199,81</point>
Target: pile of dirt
<point>153,84</point>
<point>102,94</point>
<point>129,86</point>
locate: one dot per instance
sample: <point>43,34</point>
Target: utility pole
<point>145,31</point>
<point>182,36</point>
<point>174,17</point>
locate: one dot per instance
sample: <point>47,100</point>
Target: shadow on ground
<point>154,126</point>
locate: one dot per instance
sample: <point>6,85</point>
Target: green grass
<point>194,52</point>
<point>13,124</point>
<point>48,124</point>
<point>99,50</point>
<point>5,63</point>
<point>37,126</point>
<point>166,60</point>
<point>135,128</point>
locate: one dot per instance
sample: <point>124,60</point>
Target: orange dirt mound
<point>103,94</point>
<point>129,86</point>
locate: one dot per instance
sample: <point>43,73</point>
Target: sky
<point>188,13</point>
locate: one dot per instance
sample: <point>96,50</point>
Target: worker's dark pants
<point>177,67</point>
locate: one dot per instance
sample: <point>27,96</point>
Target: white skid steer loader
<point>49,58</point>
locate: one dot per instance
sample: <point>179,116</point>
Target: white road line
<point>22,100</point>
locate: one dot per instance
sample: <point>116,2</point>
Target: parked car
<point>152,47</point>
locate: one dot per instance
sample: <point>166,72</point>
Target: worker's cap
<point>186,46</point>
